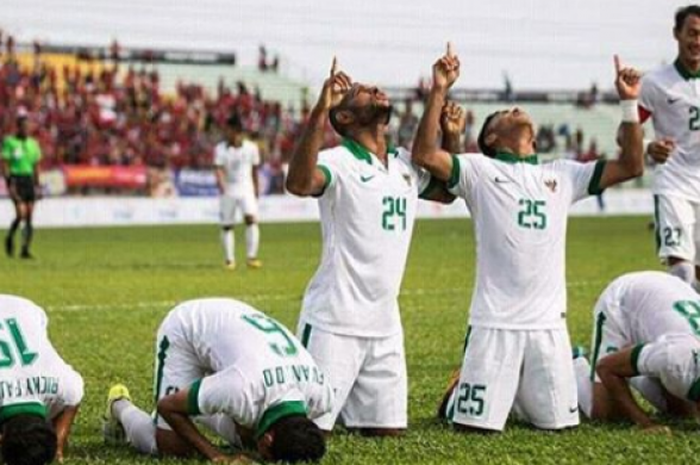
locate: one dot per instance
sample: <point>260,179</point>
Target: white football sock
<point>138,426</point>
<point>252,240</point>
<point>683,270</point>
<point>651,390</point>
<point>227,240</point>
<point>584,385</point>
<point>223,426</point>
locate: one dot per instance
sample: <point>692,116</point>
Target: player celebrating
<point>20,158</point>
<point>368,194</point>
<point>240,373</point>
<point>39,393</point>
<point>237,161</point>
<point>517,348</point>
<point>669,98</point>
<point>645,332</point>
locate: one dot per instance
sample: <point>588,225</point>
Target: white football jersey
<point>671,96</point>
<point>238,165</point>
<point>259,370</point>
<point>673,359</point>
<point>520,212</point>
<point>33,377</point>
<point>367,213</point>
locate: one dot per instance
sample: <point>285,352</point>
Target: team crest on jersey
<point>551,184</point>
<point>407,178</point>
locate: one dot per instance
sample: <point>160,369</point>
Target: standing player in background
<point>40,393</point>
<point>20,169</point>
<point>236,161</point>
<point>368,195</point>
<point>670,97</point>
<point>645,334</point>
<point>234,370</point>
<point>517,350</point>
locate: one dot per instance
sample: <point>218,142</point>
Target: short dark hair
<point>481,140</point>
<point>683,13</point>
<point>28,440</point>
<point>297,439</point>
<point>234,122</point>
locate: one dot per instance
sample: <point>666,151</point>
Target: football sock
<point>683,270</point>
<point>138,426</point>
<point>27,234</point>
<point>252,240</point>
<point>584,385</point>
<point>651,391</point>
<point>227,240</point>
<point>223,426</point>
<point>13,227</point>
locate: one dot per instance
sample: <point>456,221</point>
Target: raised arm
<point>452,123</point>
<point>304,177</point>
<point>630,163</point>
<point>426,152</point>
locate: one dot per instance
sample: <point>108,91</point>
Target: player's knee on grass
<point>294,439</point>
<point>28,440</point>
<point>170,444</point>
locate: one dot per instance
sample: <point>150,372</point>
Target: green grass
<point>106,291</point>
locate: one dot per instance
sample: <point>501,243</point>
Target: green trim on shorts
<point>193,398</point>
<point>306,335</point>
<point>657,224</point>
<point>466,339</point>
<point>600,321</point>
<point>160,367</point>
<point>635,358</point>
<point>594,186</point>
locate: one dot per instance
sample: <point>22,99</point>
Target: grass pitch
<point>106,291</point>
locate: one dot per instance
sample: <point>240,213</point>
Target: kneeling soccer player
<point>235,371</point>
<point>646,333</point>
<point>39,393</point>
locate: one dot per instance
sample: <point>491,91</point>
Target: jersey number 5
<point>7,358</point>
<point>273,329</point>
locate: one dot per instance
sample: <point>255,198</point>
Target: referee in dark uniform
<point>20,168</point>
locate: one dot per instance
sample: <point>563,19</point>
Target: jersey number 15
<point>16,342</point>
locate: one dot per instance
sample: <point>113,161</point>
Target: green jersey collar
<point>362,153</point>
<point>275,413</point>
<point>30,408</point>
<point>684,72</point>
<point>511,158</point>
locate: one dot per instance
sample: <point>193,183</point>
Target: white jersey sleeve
<point>467,168</point>
<point>673,359</point>
<point>220,155</point>
<point>648,94</point>
<point>582,179</point>
<point>330,162</point>
<point>225,392</point>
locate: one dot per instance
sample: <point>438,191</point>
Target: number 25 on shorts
<point>470,399</point>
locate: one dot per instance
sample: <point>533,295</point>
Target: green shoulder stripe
<point>193,398</point>
<point>635,358</point>
<point>594,186</point>
<point>454,175</point>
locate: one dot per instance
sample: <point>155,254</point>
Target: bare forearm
<point>184,427</point>
<point>305,157</point>
<point>451,142</point>
<point>620,391</point>
<point>632,148</point>
<point>62,425</point>
<point>427,133</point>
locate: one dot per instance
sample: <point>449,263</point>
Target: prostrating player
<point>39,393</point>
<point>646,329</point>
<point>236,371</point>
<point>236,161</point>
<point>669,98</point>
<point>517,347</point>
<point>19,167</point>
<point>368,194</point>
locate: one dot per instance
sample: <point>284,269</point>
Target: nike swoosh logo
<point>671,101</point>
<point>502,181</point>
<point>366,178</point>
<point>573,410</point>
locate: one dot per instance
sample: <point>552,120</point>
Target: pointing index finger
<point>449,49</point>
<point>334,66</point>
<point>618,67</point>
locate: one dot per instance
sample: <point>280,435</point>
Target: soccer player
<point>517,346</point>
<point>368,194</point>
<point>669,98</point>
<point>236,161</point>
<point>234,370</point>
<point>39,393</point>
<point>19,167</point>
<point>646,332</point>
